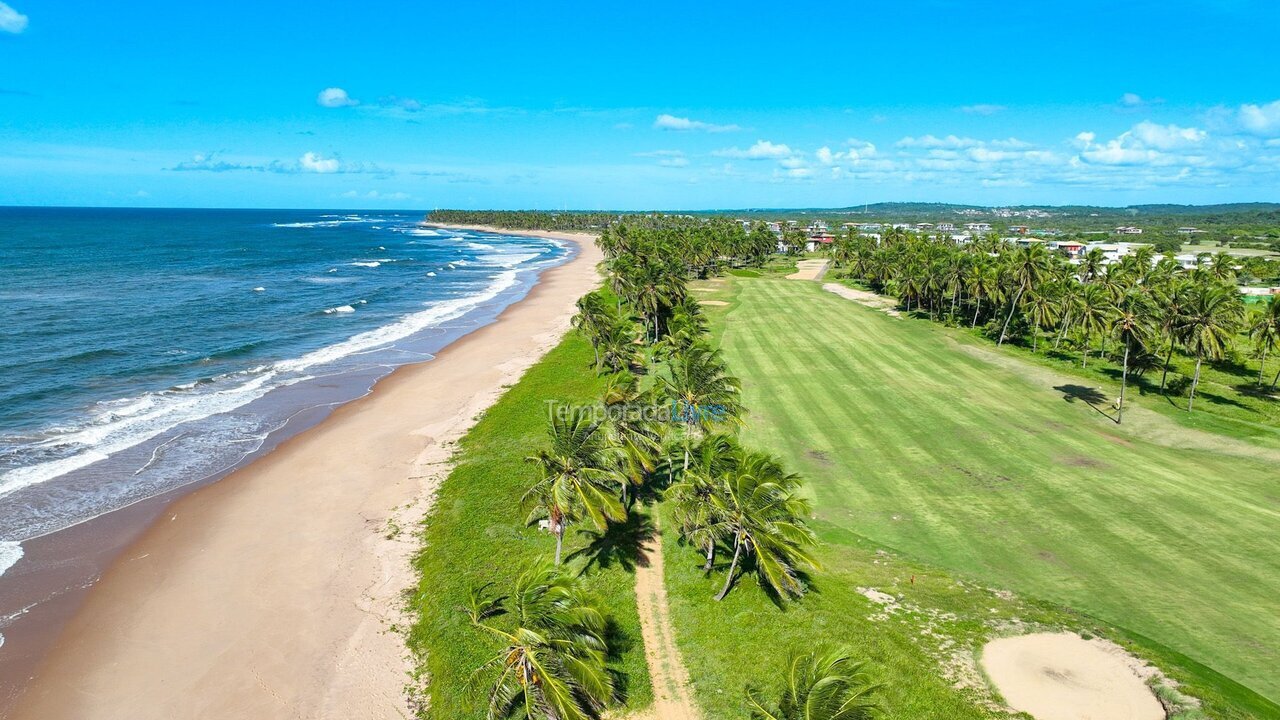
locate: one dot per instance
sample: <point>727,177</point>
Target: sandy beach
<point>272,593</point>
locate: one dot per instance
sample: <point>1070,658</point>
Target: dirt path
<point>672,699</point>
<point>810,270</point>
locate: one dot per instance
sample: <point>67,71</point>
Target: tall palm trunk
<point>1274,380</point>
<point>1262,367</point>
<point>1084,356</point>
<point>1012,306</point>
<point>711,556</point>
<point>1195,381</point>
<point>1167,358</point>
<point>559,541</point>
<point>1062,333</point>
<point>733,566</point>
<point>1124,383</point>
<point>976,310</point>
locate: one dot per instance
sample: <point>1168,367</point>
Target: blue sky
<point>637,105</point>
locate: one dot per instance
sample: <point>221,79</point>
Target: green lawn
<point>476,535</point>
<point>985,469</point>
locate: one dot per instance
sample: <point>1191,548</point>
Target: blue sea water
<point>142,350</point>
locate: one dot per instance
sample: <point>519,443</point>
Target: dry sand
<point>1061,676</point>
<point>864,297</point>
<point>271,593</point>
<point>810,270</point>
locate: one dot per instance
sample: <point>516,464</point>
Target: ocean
<point>145,350</point>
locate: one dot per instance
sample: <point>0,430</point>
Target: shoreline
<point>271,592</point>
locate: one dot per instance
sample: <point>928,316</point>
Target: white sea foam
<point>421,232</point>
<point>259,289</point>
<point>431,274</point>
<point>121,424</point>
<point>371,263</point>
<point>340,309</point>
<point>10,553</point>
<point>436,312</point>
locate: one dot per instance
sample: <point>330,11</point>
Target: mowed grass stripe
<point>959,461</point>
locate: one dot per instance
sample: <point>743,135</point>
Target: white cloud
<point>674,162</point>
<point>932,141</point>
<point>859,149</point>
<point>311,162</point>
<point>762,150</point>
<point>1146,143</point>
<point>671,122</point>
<point>11,21</point>
<point>1132,100</point>
<point>335,97</point>
<point>375,195</point>
<point>1261,119</point>
<point>1167,137</point>
<point>982,109</point>
<point>826,157</point>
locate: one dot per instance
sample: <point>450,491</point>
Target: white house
<point>977,227</point>
<point>1128,230</point>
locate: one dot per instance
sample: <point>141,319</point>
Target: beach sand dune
<point>271,593</point>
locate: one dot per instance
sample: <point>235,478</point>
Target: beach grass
<point>996,470</point>
<point>476,534</point>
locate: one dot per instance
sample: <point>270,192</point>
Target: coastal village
<point>818,235</point>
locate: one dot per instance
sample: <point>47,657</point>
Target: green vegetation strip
<point>965,464</point>
<point>476,534</point>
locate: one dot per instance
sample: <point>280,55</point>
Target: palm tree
<point>1091,264</point>
<point>592,318</point>
<point>618,345</point>
<point>1212,317</point>
<point>1042,310</point>
<point>1172,300</point>
<point>691,499</point>
<point>702,392</point>
<point>1132,326</point>
<point>757,505</point>
<point>823,684</point>
<point>984,282</point>
<point>637,439</point>
<point>1093,307</point>
<point>551,665</point>
<point>1029,265</point>
<point>1265,333</point>
<point>577,477</point>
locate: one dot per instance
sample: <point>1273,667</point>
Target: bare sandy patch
<point>1061,676</point>
<point>864,297</point>
<point>713,303</point>
<point>810,270</point>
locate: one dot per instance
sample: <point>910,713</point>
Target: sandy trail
<point>1061,676</point>
<point>810,270</point>
<point>273,592</point>
<point>672,699</point>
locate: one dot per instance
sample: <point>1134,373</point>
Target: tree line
<point>663,428</point>
<point>1140,309</point>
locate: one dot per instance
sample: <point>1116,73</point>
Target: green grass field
<point>476,534</point>
<point>982,465</point>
